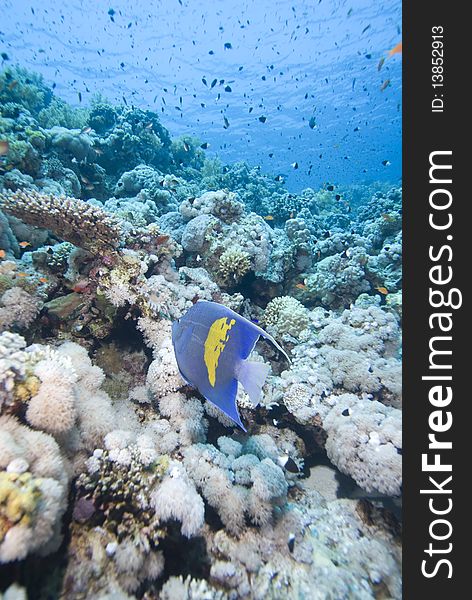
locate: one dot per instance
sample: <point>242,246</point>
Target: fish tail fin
<point>252,376</point>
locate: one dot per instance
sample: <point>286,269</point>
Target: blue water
<point>288,61</point>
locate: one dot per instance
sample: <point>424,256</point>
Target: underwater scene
<point>200,300</point>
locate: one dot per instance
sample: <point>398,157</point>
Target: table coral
<point>71,219</point>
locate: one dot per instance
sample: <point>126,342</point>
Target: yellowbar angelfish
<point>211,345</point>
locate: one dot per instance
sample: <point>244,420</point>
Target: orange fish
<point>395,50</point>
<point>2,253</point>
<point>269,218</point>
<point>24,244</point>
<point>300,286</point>
<point>22,274</point>
<point>80,287</point>
<point>4,147</point>
<point>43,279</point>
<point>161,239</point>
<point>382,290</point>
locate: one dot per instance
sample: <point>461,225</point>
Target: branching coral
<point>286,315</point>
<point>73,220</point>
<point>234,264</point>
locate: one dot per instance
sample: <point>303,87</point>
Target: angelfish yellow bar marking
<point>215,344</point>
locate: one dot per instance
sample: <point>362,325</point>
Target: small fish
<point>24,244</point>
<point>79,94</point>
<point>346,412</point>
<point>84,179</point>
<point>205,145</point>
<point>294,165</point>
<point>22,274</point>
<point>269,217</point>
<point>89,186</point>
<point>80,287</point>
<point>337,197</point>
<point>204,81</point>
<point>382,290</point>
<point>288,464</point>
<point>161,239</point>
<point>346,253</point>
<point>300,286</point>
<point>330,188</point>
<point>395,50</point>
<point>291,542</point>
<point>228,46</point>
<point>86,129</point>
<point>226,123</point>
<point>213,83</point>
<point>279,178</point>
<point>211,344</point>
<point>385,85</point>
<point>186,147</point>
<point>386,163</point>
<point>381,62</point>
<point>2,253</point>
<point>228,89</point>
<point>43,279</point>
<point>262,119</point>
<point>4,56</point>
<point>4,147</point>
<point>149,126</point>
<point>312,123</point>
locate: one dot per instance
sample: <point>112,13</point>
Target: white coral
<point>285,314</point>
<point>177,498</point>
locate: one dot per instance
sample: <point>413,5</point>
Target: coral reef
<point>116,477</point>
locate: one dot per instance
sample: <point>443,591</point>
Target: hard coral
<point>73,220</point>
<point>285,314</point>
<point>234,264</point>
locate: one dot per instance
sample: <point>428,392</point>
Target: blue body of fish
<point>211,344</point>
